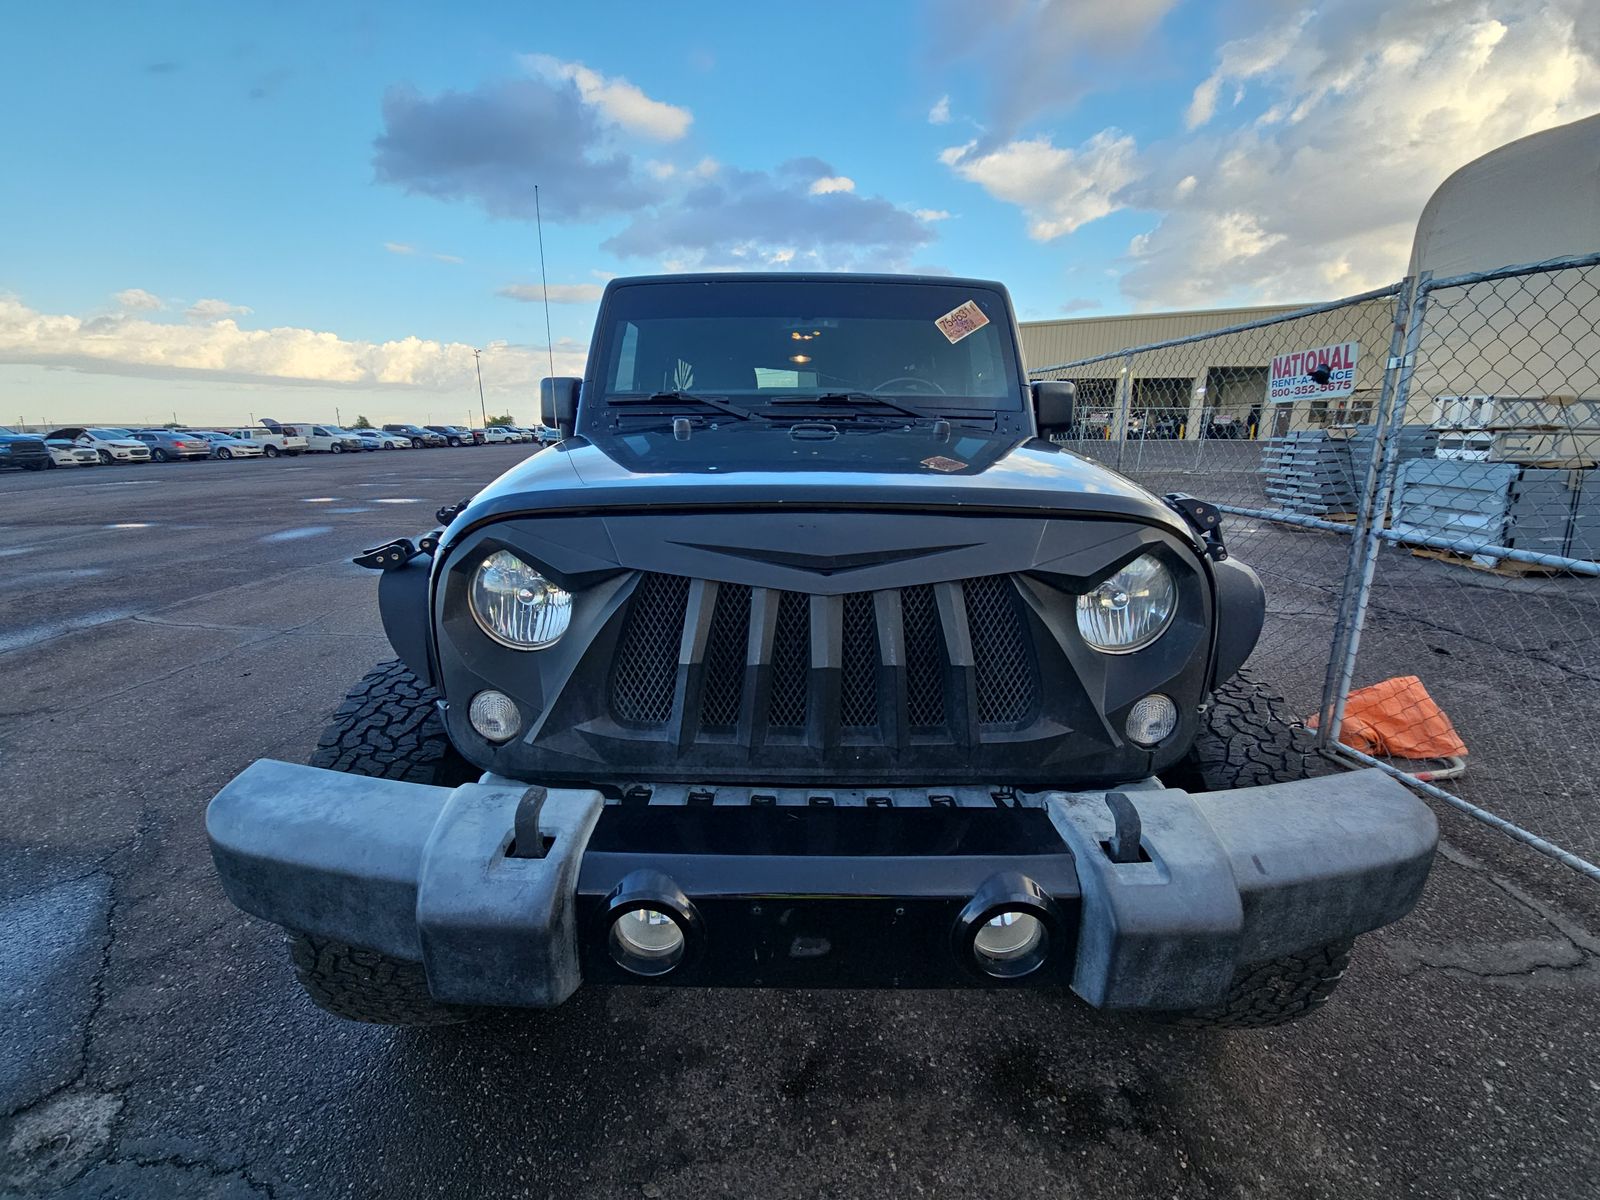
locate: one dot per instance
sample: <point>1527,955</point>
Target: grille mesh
<point>647,661</point>
<point>925,657</point>
<point>858,680</point>
<point>726,646</point>
<point>1003,671</point>
<point>1005,676</point>
<point>791,661</point>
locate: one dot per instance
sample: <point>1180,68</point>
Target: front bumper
<point>817,895</point>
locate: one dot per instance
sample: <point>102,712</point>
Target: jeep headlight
<point>1129,610</point>
<point>517,606</point>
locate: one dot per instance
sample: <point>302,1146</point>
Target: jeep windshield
<point>879,348</point>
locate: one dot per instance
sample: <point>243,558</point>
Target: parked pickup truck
<point>24,450</point>
<point>805,659</point>
<point>273,442</point>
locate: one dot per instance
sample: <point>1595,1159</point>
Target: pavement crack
<point>1584,940</point>
<point>184,1162</point>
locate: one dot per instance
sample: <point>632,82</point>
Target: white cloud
<point>616,99</point>
<point>832,183</point>
<point>1058,189</point>
<point>939,114</point>
<point>447,258</point>
<point>215,310</point>
<point>220,349</point>
<point>1348,118</point>
<point>137,300</point>
<point>560,293</point>
<point>1243,59</point>
<point>931,214</point>
<point>399,248</point>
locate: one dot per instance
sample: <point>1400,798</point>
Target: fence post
<point>1380,475</point>
<point>1124,407</point>
<point>1343,616</point>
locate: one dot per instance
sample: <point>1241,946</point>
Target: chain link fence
<point>1413,474</point>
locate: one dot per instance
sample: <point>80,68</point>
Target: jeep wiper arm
<point>863,400</point>
<point>733,410</point>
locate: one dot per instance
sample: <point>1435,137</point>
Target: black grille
<point>791,662</point>
<point>725,655</point>
<point>1002,667</point>
<point>647,661</point>
<point>858,677</point>
<point>1003,677</point>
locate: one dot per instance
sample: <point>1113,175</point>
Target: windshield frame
<point>1012,408</point>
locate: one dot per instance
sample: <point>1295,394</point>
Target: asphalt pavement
<point>162,626</point>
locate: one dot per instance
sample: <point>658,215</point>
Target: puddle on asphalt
<point>350,510</point>
<point>398,500</point>
<point>131,525</point>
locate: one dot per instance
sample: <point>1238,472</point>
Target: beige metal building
<point>1217,385</point>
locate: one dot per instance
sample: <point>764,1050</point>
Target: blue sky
<point>224,210</point>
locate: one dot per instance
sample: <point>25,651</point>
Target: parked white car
<point>328,439</point>
<point>493,434</point>
<point>272,442</point>
<point>377,439</point>
<point>225,445</point>
<point>64,454</point>
<point>110,445</point>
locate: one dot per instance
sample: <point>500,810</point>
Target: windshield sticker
<point>939,462</point>
<point>959,322</point>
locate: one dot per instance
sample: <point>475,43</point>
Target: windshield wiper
<point>861,400</point>
<point>733,410</point>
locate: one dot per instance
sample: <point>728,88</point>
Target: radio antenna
<point>544,281</point>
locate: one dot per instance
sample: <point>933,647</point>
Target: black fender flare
<point>1241,610</point>
<point>403,606</point>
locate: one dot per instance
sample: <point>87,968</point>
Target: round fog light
<point>494,715</point>
<point>1152,719</point>
<point>1007,937</point>
<point>646,941</point>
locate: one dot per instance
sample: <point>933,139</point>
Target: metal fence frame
<point>1412,298</point>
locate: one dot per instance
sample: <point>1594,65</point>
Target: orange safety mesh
<point>1397,718</point>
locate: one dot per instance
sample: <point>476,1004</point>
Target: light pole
<point>482,407</point>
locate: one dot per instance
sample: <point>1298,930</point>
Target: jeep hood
<point>746,465</point>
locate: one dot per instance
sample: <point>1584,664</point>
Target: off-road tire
<point>389,727</point>
<point>1276,992</point>
<point>1247,738</point>
<point>364,985</point>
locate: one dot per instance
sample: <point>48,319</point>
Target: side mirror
<point>1054,405</point>
<point>558,403</point>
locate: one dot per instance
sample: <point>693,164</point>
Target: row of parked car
<point>76,445</point>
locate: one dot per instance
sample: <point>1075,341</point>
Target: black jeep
<point>804,660</point>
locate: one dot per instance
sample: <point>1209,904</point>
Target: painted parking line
<point>293,535</point>
<point>53,629</point>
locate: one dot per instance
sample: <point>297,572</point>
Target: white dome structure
<point>1531,200</point>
